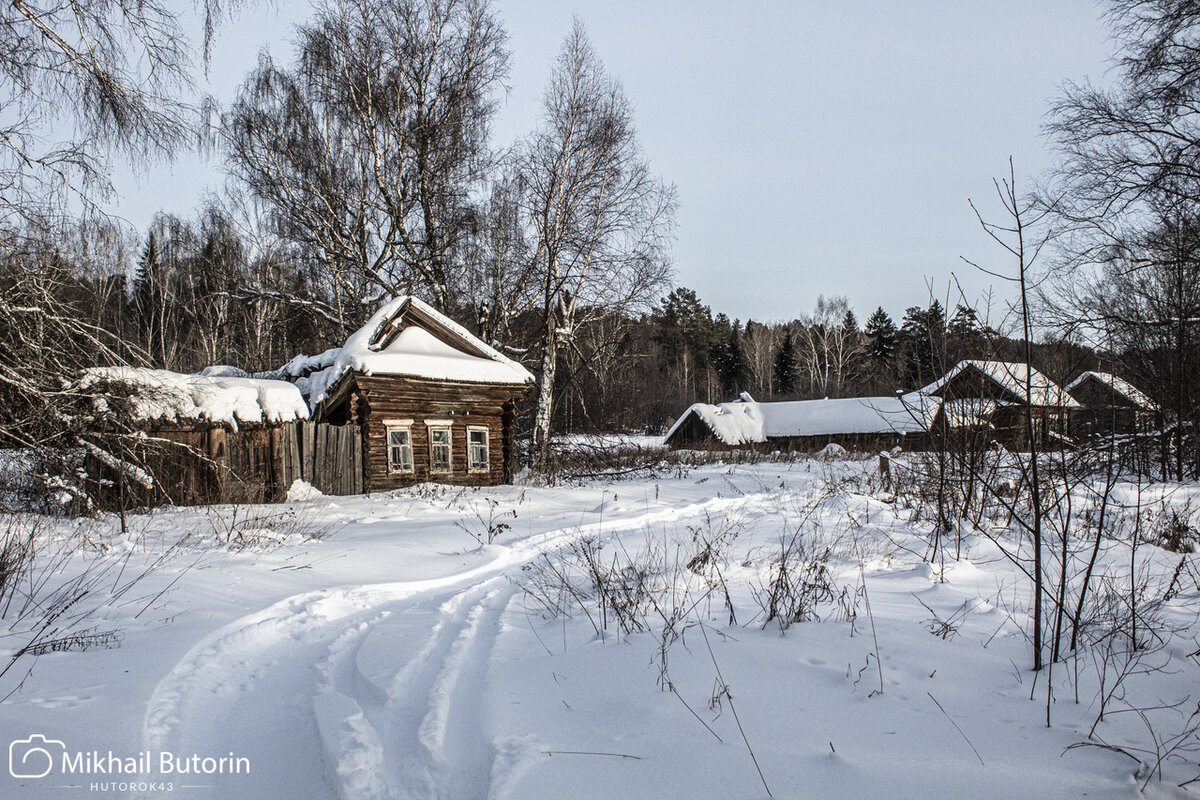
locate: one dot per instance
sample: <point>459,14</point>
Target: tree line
<point>366,166</point>
<point>362,168</point>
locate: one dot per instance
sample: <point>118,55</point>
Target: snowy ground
<point>399,655</point>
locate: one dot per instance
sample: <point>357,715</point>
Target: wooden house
<point>1110,405</point>
<point>856,423</point>
<point>991,396</point>
<point>431,401</point>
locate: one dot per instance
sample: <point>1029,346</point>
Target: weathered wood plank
<point>356,466</point>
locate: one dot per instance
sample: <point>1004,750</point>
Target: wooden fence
<point>252,465</point>
<point>331,457</point>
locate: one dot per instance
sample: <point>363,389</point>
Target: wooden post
<point>276,487</point>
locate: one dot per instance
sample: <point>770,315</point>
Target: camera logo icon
<point>33,757</point>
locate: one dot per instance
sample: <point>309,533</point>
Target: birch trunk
<point>540,458</point>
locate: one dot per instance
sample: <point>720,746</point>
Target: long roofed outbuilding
<point>808,424</point>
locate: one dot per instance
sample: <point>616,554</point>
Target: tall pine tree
<point>149,297</point>
<point>785,366</point>
<point>729,358</point>
<point>882,338</point>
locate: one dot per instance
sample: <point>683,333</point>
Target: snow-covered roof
<point>1010,376</point>
<point>746,422</point>
<point>387,345</point>
<point>157,394</point>
<point>1118,385</point>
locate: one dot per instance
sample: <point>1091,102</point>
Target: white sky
<point>818,147</point>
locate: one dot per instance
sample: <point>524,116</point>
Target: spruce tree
<point>729,359</point>
<point>785,366</point>
<point>148,299</point>
<point>882,337</point>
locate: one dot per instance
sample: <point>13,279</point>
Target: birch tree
<point>369,148</point>
<point>82,82</point>
<point>600,221</point>
<point>827,346</point>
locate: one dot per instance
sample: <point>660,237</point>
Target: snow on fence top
<point>1118,385</point>
<point>746,422</point>
<point>156,394</point>
<point>1010,376</point>
<point>386,346</point>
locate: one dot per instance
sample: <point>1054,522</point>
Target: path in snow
<point>372,691</point>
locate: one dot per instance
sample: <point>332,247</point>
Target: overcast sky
<point>818,147</point>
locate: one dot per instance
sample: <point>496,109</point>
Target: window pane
<point>399,450</point>
<point>439,449</point>
<point>477,451</point>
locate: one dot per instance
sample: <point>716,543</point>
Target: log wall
<point>373,401</point>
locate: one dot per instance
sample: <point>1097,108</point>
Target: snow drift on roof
<point>413,352</point>
<point>1011,376</point>
<point>1118,385</point>
<point>743,422</point>
<point>156,394</point>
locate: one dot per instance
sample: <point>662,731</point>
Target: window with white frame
<point>439,448</point>
<point>477,448</point>
<point>399,448</point>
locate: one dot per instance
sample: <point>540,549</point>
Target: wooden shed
<point>432,402</point>
<point>992,396</point>
<point>856,423</point>
<point>219,436</point>
<point>1108,405</point>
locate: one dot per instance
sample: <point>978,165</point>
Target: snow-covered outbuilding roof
<point>157,394</point>
<point>1116,384</point>
<point>1011,377</point>
<point>748,422</point>
<point>407,337</point>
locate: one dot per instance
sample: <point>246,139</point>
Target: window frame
<point>399,425</point>
<point>486,465</point>
<point>435,427</point>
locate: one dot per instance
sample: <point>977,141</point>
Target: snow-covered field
<point>381,647</point>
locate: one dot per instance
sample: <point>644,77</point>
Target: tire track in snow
<point>292,672</point>
<point>416,733</point>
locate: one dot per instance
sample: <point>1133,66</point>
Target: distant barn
<point>856,423</point>
<point>1109,404</point>
<point>977,398</point>
<point>992,396</point>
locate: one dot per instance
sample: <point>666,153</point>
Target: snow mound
<point>832,452</point>
<point>302,490</point>
<point>224,371</point>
